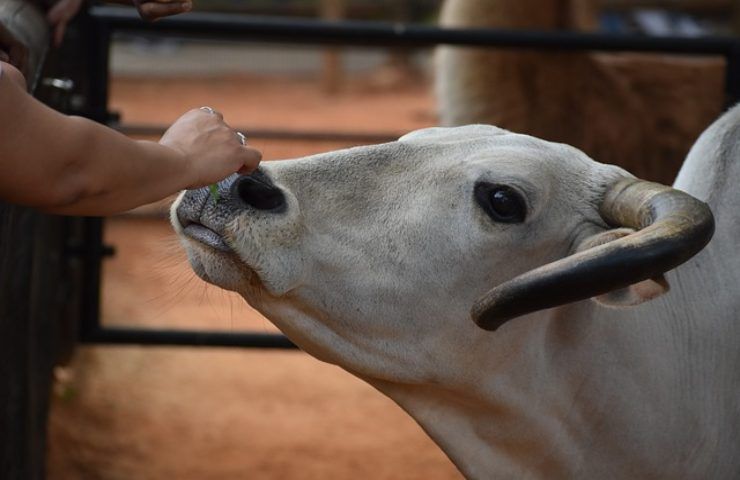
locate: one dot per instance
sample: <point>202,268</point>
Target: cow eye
<point>503,204</point>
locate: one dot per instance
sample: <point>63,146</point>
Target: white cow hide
<point>376,254</point>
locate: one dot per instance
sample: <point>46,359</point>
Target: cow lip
<point>206,236</point>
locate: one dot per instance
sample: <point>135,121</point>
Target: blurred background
<point>184,413</point>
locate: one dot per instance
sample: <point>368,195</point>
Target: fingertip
<point>146,11</point>
<point>54,14</point>
<point>154,11</point>
<point>252,160</point>
<point>254,152</point>
<point>247,169</point>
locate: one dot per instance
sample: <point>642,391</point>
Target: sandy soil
<point>154,413</point>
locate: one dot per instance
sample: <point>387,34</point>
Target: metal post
<point>732,76</point>
<point>98,43</point>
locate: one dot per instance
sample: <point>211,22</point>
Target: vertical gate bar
<point>732,75</point>
<point>99,38</point>
<point>92,255</point>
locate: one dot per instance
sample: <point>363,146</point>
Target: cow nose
<point>256,190</point>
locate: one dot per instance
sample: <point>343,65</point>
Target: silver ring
<point>242,138</point>
<point>208,110</point>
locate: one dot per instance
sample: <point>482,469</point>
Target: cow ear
<point>636,293</point>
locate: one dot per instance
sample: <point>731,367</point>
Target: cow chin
<point>223,270</point>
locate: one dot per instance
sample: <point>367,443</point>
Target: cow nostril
<point>259,193</point>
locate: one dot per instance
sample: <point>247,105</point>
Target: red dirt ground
<point>179,413</point>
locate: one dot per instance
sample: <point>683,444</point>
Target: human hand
<point>59,16</point>
<point>211,149</point>
<point>12,50</point>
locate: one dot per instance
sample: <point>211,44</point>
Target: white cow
<point>372,258</point>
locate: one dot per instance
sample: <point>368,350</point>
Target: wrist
<point>176,165</point>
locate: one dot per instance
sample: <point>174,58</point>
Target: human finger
<point>59,16</point>
<point>250,158</point>
<point>152,10</point>
<point>211,111</point>
<point>56,13</point>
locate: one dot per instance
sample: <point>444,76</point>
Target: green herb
<point>213,188</point>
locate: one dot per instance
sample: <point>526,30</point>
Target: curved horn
<point>673,227</point>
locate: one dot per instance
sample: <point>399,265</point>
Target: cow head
<point>373,257</point>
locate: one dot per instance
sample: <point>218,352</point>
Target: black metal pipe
<point>732,77</point>
<point>380,34</point>
<point>99,51</point>
<point>277,134</point>
<point>92,255</point>
<point>93,250</point>
<point>185,338</point>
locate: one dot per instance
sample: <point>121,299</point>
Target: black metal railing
<point>108,20</point>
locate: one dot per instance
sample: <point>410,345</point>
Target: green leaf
<point>213,188</point>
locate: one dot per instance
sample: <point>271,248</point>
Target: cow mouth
<point>205,236</point>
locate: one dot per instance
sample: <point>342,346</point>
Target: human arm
<point>71,165</point>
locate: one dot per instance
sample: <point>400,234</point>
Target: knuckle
<point>147,11</point>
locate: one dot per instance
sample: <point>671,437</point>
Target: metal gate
<point>103,22</point>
